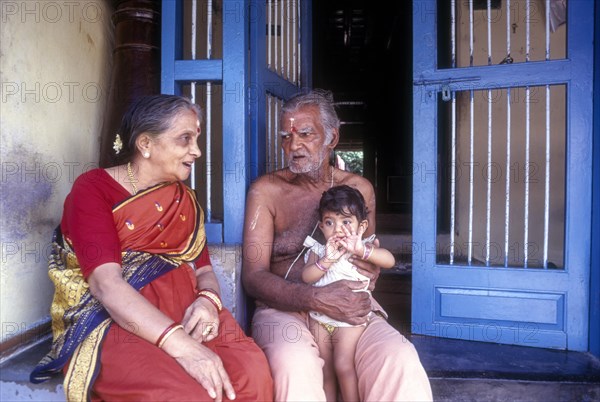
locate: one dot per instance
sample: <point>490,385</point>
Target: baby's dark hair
<point>344,200</point>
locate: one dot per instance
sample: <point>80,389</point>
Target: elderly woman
<point>137,313</point>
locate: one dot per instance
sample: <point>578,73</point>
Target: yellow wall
<point>55,65</point>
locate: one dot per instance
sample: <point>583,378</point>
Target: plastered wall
<point>54,71</point>
<point>227,262</point>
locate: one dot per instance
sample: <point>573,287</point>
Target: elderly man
<point>281,211</point>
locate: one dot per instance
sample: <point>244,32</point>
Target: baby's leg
<point>344,348</point>
<point>323,339</point>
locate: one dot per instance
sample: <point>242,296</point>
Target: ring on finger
<point>207,330</point>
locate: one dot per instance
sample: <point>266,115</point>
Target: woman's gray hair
<point>321,98</point>
<point>154,115</point>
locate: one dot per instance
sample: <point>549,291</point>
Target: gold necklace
<point>131,178</point>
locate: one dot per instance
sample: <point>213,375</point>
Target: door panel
<point>502,150</point>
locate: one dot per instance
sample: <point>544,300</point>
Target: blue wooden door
<point>265,57</point>
<point>183,67</point>
<point>502,171</point>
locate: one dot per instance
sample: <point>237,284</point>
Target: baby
<point>343,220</point>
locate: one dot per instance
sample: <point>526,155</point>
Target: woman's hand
<point>201,320</point>
<point>201,363</point>
<point>126,306</point>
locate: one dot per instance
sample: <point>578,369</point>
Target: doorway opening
<point>362,52</point>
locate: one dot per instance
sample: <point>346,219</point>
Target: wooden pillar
<point>135,69</point>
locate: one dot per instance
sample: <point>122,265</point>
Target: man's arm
<point>259,282</point>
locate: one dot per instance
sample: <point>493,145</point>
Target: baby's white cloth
<point>341,269</point>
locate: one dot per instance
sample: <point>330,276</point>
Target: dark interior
<point>362,52</point>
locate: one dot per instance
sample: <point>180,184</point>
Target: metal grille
<point>202,37</point>
<point>283,57</point>
<point>283,44</point>
<point>503,181</point>
<point>505,173</point>
<point>503,32</point>
<point>275,156</point>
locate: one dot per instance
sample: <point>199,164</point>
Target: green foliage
<point>353,160</point>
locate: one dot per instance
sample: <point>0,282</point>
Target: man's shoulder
<point>354,180</point>
<point>274,178</point>
<point>268,184</point>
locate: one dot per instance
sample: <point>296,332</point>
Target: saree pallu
<point>160,229</point>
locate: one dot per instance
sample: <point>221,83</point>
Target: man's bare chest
<point>291,230</point>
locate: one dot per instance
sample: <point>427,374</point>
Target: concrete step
<point>14,378</point>
<point>485,390</point>
<point>479,371</point>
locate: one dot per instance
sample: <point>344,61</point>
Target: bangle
<point>213,297</point>
<point>322,268</point>
<point>367,251</point>
<point>167,333</point>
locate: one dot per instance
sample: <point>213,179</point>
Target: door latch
<point>446,93</point>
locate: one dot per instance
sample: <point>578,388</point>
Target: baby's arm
<point>311,271</point>
<point>378,256</point>
<point>366,251</point>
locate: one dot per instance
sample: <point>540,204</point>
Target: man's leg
<point>388,366</point>
<point>292,353</point>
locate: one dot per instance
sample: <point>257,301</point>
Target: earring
<point>146,154</point>
<point>118,144</point>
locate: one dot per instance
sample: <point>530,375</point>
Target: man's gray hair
<point>321,98</point>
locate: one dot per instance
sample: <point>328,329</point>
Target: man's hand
<point>338,300</point>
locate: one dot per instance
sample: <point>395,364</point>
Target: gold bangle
<point>212,297</point>
<point>170,330</point>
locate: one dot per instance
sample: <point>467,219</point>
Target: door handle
<point>445,85</point>
<point>445,81</point>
